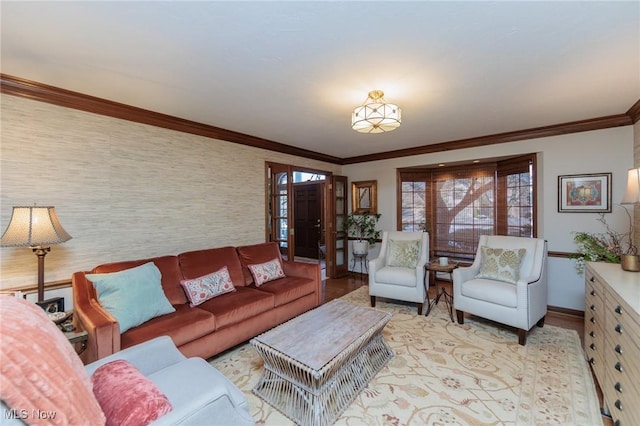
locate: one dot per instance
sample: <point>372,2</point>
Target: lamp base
<point>55,304</point>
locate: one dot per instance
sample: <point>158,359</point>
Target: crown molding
<point>634,112</point>
<point>16,86</point>
<point>518,135</point>
<point>24,88</point>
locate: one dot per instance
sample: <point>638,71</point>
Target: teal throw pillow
<point>403,253</point>
<point>132,296</point>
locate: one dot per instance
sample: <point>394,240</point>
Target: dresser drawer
<point>620,319</point>
<point>622,398</point>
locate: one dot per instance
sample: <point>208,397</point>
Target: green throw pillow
<point>132,296</point>
<point>403,253</point>
<point>501,264</point>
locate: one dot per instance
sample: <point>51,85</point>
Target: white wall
<point>608,150</point>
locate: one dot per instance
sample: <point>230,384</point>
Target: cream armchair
<point>398,271</point>
<point>514,295</point>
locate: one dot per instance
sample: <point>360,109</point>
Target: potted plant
<point>362,227</point>
<point>610,247</point>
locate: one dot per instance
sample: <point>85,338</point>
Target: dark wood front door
<point>307,218</point>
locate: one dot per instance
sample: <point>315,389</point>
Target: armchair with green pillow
<point>398,271</point>
<point>506,283</point>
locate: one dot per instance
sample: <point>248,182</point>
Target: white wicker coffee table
<point>317,363</point>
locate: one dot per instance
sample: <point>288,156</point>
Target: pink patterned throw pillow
<point>267,271</point>
<point>199,290</point>
<point>126,396</point>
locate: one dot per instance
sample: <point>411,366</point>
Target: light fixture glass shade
<point>33,226</point>
<point>632,192</point>
<point>375,115</point>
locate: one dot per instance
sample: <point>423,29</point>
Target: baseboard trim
<point>566,311</point>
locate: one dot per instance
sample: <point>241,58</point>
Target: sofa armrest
<point>305,270</point>
<point>102,329</point>
<point>148,357</point>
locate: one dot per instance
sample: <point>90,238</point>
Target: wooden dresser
<point>612,337</point>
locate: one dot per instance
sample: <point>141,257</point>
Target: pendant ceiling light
<point>375,115</point>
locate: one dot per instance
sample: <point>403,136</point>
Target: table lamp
<point>35,227</point>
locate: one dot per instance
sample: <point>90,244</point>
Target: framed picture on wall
<point>588,193</point>
<point>364,197</point>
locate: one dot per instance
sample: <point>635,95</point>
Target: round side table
<point>433,267</point>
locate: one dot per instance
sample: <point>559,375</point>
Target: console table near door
<point>612,337</point>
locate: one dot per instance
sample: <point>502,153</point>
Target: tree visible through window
<point>488,199</point>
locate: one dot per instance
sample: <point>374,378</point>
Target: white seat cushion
<point>498,292</point>
<point>397,276</point>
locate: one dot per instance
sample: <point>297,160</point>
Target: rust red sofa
<point>217,324</point>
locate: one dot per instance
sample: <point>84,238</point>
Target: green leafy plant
<point>362,226</point>
<point>603,247</point>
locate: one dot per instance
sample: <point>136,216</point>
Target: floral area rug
<point>446,373</point>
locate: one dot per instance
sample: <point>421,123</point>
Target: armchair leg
<point>540,323</point>
<point>460,316</point>
<point>420,308</point>
<point>522,337</point>
<point>373,301</point>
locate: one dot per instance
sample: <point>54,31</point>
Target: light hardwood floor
<point>334,288</point>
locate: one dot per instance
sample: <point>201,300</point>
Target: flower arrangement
<point>603,247</point>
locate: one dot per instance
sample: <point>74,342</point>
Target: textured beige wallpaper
<point>125,190</point>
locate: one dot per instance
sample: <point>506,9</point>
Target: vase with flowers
<point>610,246</point>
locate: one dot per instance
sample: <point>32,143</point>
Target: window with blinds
<point>458,204</point>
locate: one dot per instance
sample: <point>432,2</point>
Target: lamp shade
<point>632,192</point>
<point>33,226</point>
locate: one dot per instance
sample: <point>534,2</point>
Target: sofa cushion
<point>40,370</point>
<point>288,289</point>
<point>242,304</point>
<point>197,263</point>
<point>255,254</point>
<point>267,271</point>
<point>183,326</point>
<point>126,396</point>
<point>132,296</point>
<point>169,268</point>
<point>199,290</point>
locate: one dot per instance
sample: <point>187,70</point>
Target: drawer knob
<point>592,361</point>
<point>618,366</point>
<point>593,346</point>
<point>592,279</point>
<point>592,334</point>
<point>593,320</point>
<point>618,387</point>
<point>618,349</point>
<point>618,404</point>
<point>593,292</point>
<point>592,307</point>
<point>618,309</point>
<point>618,329</point>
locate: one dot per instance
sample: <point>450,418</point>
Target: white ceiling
<point>292,72</point>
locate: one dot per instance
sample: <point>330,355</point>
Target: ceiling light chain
<point>375,115</point>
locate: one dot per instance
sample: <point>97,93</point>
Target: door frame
<point>328,206</point>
